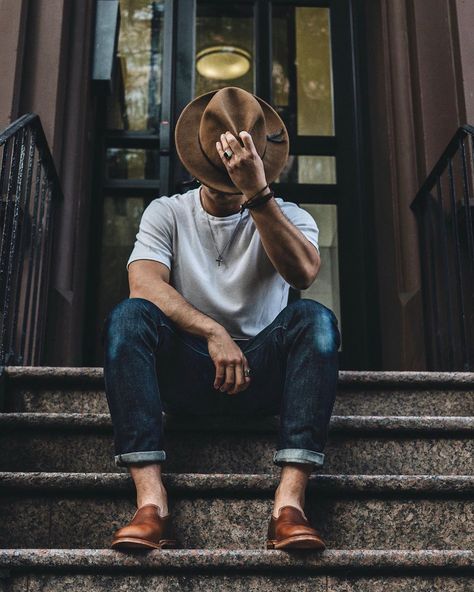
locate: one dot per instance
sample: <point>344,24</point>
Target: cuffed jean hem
<point>122,460</point>
<point>298,455</point>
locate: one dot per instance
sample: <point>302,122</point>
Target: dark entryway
<point>304,59</point>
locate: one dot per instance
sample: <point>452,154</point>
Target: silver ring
<point>247,372</point>
<point>228,153</point>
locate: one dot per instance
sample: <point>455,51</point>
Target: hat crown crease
<point>233,112</point>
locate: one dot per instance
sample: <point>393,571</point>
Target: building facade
<point>371,93</point>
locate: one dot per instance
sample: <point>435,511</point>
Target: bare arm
<point>150,280</point>
<point>293,255</point>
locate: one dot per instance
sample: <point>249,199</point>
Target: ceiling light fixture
<point>223,62</point>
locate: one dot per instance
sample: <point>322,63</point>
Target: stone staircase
<point>395,500</point>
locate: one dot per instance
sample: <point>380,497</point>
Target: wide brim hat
<point>233,109</point>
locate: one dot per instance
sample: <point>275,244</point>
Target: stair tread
<point>241,560</point>
<point>346,377</point>
<point>421,423</point>
<point>240,483</point>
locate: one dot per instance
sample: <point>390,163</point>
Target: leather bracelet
<point>255,194</point>
<point>255,203</point>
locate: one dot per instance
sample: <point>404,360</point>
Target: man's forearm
<point>177,308</point>
<point>292,254</point>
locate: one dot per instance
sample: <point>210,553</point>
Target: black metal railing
<point>444,211</point>
<point>29,188</point>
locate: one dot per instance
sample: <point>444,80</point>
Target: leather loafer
<point>147,530</point>
<point>291,530</point>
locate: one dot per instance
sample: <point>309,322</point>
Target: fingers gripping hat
<point>208,116</point>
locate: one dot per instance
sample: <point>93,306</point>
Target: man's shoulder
<point>175,201</point>
<point>171,206</point>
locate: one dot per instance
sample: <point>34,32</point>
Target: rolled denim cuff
<point>298,455</point>
<point>149,456</point>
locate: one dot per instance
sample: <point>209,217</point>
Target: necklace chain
<point>220,253</point>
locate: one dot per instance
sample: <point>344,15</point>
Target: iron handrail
<point>443,209</point>
<point>29,190</point>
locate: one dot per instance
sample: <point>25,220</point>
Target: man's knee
<point>320,321</point>
<point>128,318</point>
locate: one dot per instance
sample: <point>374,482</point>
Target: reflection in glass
<point>136,104</point>
<point>120,226</point>
<point>325,288</point>
<point>128,163</point>
<point>224,25</point>
<point>309,169</point>
<point>302,69</point>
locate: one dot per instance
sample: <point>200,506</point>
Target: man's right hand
<point>229,361</point>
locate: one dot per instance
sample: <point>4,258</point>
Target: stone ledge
<point>378,424</point>
<point>242,484</point>
<point>100,560</point>
<point>347,378</point>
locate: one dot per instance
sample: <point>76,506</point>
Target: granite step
<point>356,444</point>
<point>75,390</point>
<point>82,510</point>
<point>222,570</point>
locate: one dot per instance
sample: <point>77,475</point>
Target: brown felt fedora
<point>208,116</point>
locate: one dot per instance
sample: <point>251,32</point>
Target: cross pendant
<point>219,260</point>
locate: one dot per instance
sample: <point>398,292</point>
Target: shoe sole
<point>131,543</point>
<point>297,542</point>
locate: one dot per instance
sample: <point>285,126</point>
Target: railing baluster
<point>467,205</point>
<point>38,264</point>
<point>447,277</point>
<point>31,291</point>
<point>16,244</point>
<point>7,248</point>
<point>459,272</point>
<point>31,162</point>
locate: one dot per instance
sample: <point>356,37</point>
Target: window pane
<point>123,163</point>
<point>309,169</point>
<point>224,46</point>
<point>136,104</point>
<point>302,69</point>
<point>120,226</point>
<point>325,288</point>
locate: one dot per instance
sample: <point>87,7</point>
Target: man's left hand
<point>245,167</point>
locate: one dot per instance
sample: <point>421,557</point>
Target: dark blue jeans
<point>151,366</point>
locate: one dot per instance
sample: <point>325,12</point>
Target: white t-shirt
<point>245,293</point>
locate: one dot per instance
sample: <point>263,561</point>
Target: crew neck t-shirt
<point>246,292</point>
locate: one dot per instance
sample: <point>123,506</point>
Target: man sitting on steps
<point>207,329</point>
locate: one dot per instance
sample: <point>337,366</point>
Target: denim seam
<point>263,341</point>
<point>183,341</point>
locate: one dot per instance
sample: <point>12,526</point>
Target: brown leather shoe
<point>147,530</point>
<point>291,530</point>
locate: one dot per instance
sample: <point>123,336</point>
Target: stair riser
<point>296,582</point>
<point>370,402</point>
<point>53,450</point>
<point>83,520</point>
